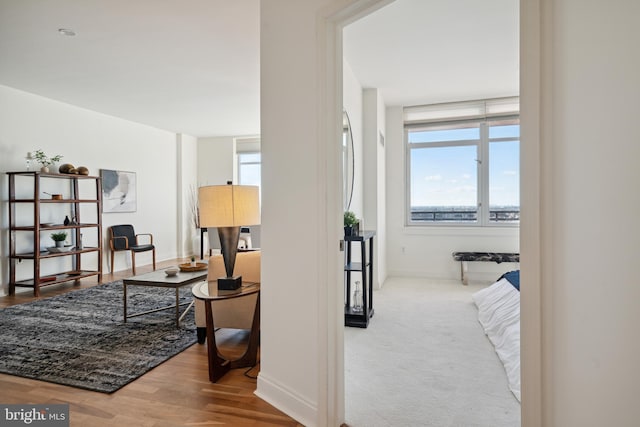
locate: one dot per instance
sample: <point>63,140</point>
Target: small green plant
<point>350,219</point>
<point>59,236</point>
<point>44,160</point>
<point>193,258</point>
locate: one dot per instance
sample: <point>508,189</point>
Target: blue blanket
<point>513,277</point>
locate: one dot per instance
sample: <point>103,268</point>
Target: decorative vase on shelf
<point>59,243</point>
<point>44,169</point>
<point>357,298</point>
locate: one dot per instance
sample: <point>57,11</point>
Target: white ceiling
<point>188,66</point>
<point>193,66</point>
<point>430,51</point>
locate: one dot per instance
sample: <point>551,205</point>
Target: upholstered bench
<point>497,257</point>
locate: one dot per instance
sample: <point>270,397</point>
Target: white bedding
<point>499,315</point>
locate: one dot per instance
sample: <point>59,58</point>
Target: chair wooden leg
<point>112,253</point>
<point>133,262</point>
<point>154,259</point>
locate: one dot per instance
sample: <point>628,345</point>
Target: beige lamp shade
<point>228,205</point>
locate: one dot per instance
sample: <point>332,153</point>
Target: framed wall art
<point>118,191</point>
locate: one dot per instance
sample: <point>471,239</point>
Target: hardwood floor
<point>176,393</point>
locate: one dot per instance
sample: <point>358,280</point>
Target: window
<point>463,164</point>
<point>249,168</point>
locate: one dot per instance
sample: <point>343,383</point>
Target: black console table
<point>364,267</point>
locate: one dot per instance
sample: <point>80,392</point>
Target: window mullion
<point>407,178</point>
<point>483,176</point>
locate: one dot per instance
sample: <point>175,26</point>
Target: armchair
<point>124,238</point>
<point>233,313</point>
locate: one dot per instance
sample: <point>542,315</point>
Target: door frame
<point>332,20</point>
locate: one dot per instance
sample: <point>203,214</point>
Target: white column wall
<point>381,177</point>
<point>293,216</point>
<point>97,141</point>
<point>374,179</point>
<point>302,366</point>
<point>187,182</point>
<point>587,76</point>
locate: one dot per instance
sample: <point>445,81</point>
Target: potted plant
<point>193,261</point>
<point>59,237</point>
<point>44,160</point>
<point>351,224</point>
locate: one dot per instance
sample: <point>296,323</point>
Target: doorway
<point>529,238</point>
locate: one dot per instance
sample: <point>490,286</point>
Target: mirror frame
<point>348,161</point>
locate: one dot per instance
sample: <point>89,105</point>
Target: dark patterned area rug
<point>79,338</point>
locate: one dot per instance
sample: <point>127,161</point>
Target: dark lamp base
<point>229,283</point>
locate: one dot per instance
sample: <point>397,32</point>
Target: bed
<point>499,314</point>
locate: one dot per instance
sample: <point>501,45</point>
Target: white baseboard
<point>276,394</point>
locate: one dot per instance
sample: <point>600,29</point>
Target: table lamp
<point>228,207</point>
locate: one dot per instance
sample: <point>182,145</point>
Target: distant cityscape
<point>463,213</point>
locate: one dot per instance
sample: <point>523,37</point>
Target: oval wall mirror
<point>348,161</point>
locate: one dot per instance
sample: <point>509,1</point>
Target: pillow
<point>513,277</point>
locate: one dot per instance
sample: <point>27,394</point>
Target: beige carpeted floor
<point>424,360</point>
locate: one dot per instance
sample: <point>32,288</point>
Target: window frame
<point>482,170</point>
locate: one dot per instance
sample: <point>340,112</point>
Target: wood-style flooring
<point>176,393</point>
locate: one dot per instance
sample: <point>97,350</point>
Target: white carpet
<point>424,360</point>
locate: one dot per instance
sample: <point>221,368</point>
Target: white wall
<point>580,261</point>
<point>216,163</point>
<point>426,251</point>
<point>29,122</point>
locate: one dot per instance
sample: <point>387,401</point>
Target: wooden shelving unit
<point>33,230</point>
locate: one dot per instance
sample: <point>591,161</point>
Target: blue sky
<point>448,176</point>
